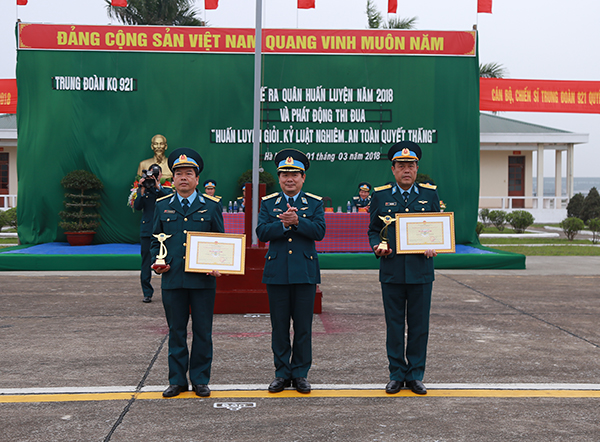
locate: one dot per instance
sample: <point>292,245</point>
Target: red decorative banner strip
<point>231,40</point>
<point>500,94</point>
<point>8,96</point>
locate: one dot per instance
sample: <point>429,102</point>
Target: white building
<point>507,164</point>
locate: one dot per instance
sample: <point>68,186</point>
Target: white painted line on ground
<point>254,387</point>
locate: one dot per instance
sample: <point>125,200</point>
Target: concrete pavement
<point>513,355</point>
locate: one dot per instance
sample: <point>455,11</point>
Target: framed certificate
<point>417,232</point>
<point>208,251</point>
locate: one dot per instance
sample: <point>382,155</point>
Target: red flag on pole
<point>119,3</point>
<point>306,4</point>
<point>21,2</point>
<point>392,6</point>
<point>211,4</point>
<point>484,6</point>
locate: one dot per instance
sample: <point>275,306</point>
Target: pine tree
<point>591,206</point>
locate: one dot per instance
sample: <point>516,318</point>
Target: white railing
<point>548,209</point>
<point>8,202</point>
<point>528,202</point>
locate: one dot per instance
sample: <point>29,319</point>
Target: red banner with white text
<point>501,94</point>
<point>232,40</point>
<point>8,96</point>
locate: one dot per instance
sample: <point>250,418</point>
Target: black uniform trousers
<point>410,303</point>
<point>178,304</point>
<point>295,301</point>
<point>146,271</point>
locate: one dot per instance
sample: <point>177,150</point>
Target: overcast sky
<point>533,39</point>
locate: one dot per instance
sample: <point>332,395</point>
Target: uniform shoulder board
<point>164,197</point>
<point>354,197</point>
<point>216,200</point>
<point>317,197</point>
<point>380,188</point>
<point>266,197</point>
<point>428,186</point>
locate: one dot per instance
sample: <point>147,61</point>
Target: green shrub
<point>571,227</point>
<point>520,220</point>
<point>498,218</point>
<point>479,228</point>
<point>575,206</point>
<point>80,215</point>
<point>8,218</point>
<point>594,225</point>
<point>484,214</point>
<point>591,206</point>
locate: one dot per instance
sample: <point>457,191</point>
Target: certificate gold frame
<point>417,232</point>
<point>208,251</point>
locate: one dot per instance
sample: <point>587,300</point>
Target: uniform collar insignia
<point>278,200</point>
<point>304,201</point>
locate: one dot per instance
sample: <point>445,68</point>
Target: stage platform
<point>62,256</point>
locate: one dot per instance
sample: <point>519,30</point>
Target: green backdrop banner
<point>98,110</point>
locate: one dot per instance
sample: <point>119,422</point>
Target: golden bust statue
<point>159,146</point>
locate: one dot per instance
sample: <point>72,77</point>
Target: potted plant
<point>80,220</point>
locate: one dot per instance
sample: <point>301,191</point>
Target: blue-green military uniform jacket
<point>146,203</point>
<point>388,200</point>
<point>204,215</point>
<point>292,256</point>
<point>357,201</point>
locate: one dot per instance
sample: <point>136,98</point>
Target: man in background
<point>149,190</point>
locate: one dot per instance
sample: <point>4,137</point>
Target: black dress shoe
<point>393,387</point>
<point>174,390</point>
<point>201,390</point>
<point>279,384</point>
<point>302,385</point>
<point>147,299</point>
<point>416,386</point>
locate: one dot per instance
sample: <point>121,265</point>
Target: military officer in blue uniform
<point>406,279</point>
<point>210,187</point>
<point>363,199</point>
<point>291,221</point>
<point>145,201</point>
<point>186,292</point>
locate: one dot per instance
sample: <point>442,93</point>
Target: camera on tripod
<point>150,176</point>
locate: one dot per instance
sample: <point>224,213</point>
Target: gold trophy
<point>162,252</point>
<point>383,245</point>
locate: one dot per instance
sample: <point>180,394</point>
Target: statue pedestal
<point>240,294</point>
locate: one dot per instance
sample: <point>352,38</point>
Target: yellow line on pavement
<point>249,394</point>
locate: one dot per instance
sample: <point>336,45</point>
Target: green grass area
<point>534,240</point>
<point>550,250</point>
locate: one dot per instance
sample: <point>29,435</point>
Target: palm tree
<point>400,23</point>
<point>492,70</point>
<point>156,12</point>
<point>375,19</point>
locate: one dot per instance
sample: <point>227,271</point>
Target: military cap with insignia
<point>364,186</point>
<point>185,157</point>
<point>291,160</point>
<point>210,184</point>
<point>405,151</point>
